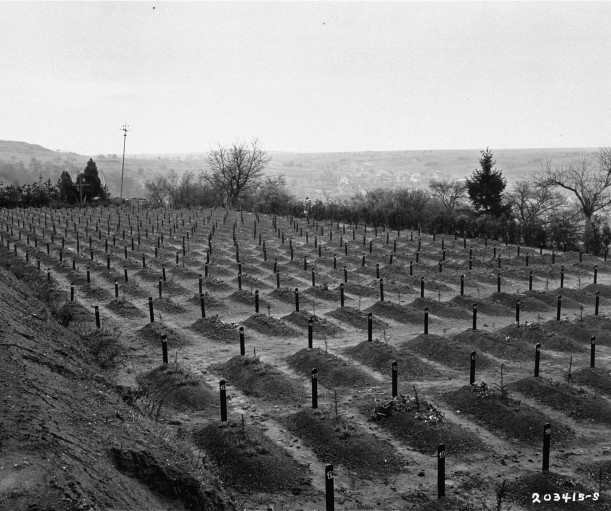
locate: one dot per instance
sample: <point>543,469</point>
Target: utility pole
<point>125,130</point>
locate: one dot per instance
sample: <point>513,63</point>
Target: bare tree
<point>173,187</point>
<point>234,170</point>
<point>588,178</point>
<point>156,188</point>
<point>532,203</point>
<point>450,192</point>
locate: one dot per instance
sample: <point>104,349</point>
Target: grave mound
<point>380,356</point>
<point>572,401</point>
<point>125,309</point>
<point>175,385</point>
<point>270,326</point>
<point>332,371</point>
<point>261,380</point>
<point>334,439</point>
<point>507,417</point>
<point>320,325</point>
<point>214,328</point>
<point>356,318</point>
<point>249,461</point>
<point>451,352</point>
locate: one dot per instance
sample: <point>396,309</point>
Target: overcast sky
<point>305,76</point>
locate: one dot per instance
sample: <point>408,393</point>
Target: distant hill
<point>315,175</point>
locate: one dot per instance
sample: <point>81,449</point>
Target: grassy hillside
<point>315,175</point>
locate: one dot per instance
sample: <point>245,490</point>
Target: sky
<point>305,76</point>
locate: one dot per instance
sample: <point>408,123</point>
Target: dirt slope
<point>67,439</point>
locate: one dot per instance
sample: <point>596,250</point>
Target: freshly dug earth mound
<point>506,347</point>
<point>581,297</point>
<point>111,275</point>
<point>453,353</point>
<point>397,312</point>
<point>153,331</point>
<point>360,290</point>
<point>320,326</point>
<point>149,274</point>
<point>210,302</point>
<point>283,294</point>
<point>536,332</point>
<point>380,356</point>
<point>270,326</point>
<point>74,312</point>
<point>356,318</point>
<point>603,290</point>
<point>430,285</point>
<point>92,291</point>
<point>249,461</point>
<point>573,402</point>
<point>568,329</point>
<point>216,284</point>
<point>507,417</point>
<point>132,288</point>
<point>214,328</point>
<point>246,297</point>
<point>261,380</point>
<point>250,282</point>
<point>529,302</point>
<point>125,309</point>
<point>551,299</point>
<point>322,293</point>
<point>214,271</point>
<point>552,484</point>
<point>332,371</point>
<point>168,306</point>
<point>78,277</point>
<point>336,440</point>
<point>396,290</point>
<point>184,273</point>
<point>420,424</point>
<point>487,307</point>
<point>595,377</point>
<point>442,309</point>
<point>173,289</point>
<point>175,385</point>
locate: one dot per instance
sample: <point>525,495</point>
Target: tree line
<point>86,189</point>
<point>562,207</point>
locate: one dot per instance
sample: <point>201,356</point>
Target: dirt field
<point>93,419</point>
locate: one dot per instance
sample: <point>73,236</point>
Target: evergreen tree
<point>91,178</point>
<point>67,191</point>
<point>486,185</point>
